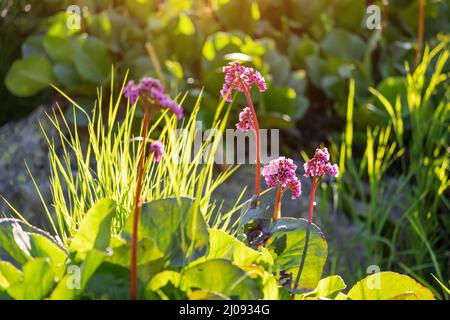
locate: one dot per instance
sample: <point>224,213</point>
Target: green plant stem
<point>277,206</point>
<point>258,142</point>
<point>138,203</point>
<point>308,231</point>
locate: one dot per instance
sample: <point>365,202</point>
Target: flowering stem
<point>277,207</point>
<point>258,143</point>
<point>308,231</point>
<point>138,201</point>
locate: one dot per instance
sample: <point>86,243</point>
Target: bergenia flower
<point>319,165</point>
<point>157,149</point>
<point>153,89</point>
<point>245,120</point>
<point>131,91</point>
<point>295,186</point>
<point>279,171</point>
<point>240,78</point>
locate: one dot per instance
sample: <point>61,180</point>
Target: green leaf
<point>281,100</point>
<point>95,228</point>
<point>147,251</point>
<point>66,75</point>
<point>29,75</point>
<point>92,60</point>
<point>38,280</point>
<point>305,12</point>
<point>344,45</point>
<point>44,247</point>
<point>349,14</point>
<point>224,246</point>
<point>266,281</point>
<point>59,49</point>
<point>219,275</point>
<point>165,286</point>
<point>78,274</point>
<point>110,281</point>
<point>387,286</point>
<point>317,69</point>
<point>9,274</point>
<point>142,9</point>
<point>328,287</point>
<point>238,14</point>
<point>21,242</point>
<point>177,227</point>
<point>206,295</point>
<point>33,46</point>
<point>303,48</point>
<point>286,246</point>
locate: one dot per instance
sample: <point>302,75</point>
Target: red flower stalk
<point>314,168</point>
<point>240,78</point>
<point>150,90</point>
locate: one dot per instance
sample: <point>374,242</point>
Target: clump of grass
<point>105,165</point>
<point>405,166</point>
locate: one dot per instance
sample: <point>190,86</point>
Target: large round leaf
<point>92,59</point>
<point>37,281</point>
<point>344,45</point>
<point>329,287</point>
<point>286,245</point>
<point>222,245</point>
<point>95,228</point>
<point>59,48</point>
<point>389,286</point>
<point>20,242</point>
<point>220,276</point>
<point>29,75</point>
<point>176,226</point>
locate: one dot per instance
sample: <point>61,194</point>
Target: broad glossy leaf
<point>281,100</point>
<point>92,60</point>
<point>110,281</point>
<point>9,274</point>
<point>286,246</point>
<point>349,14</point>
<point>65,74</point>
<point>344,45</point>
<point>328,287</point>
<point>222,245</point>
<point>177,227</point>
<point>38,280</point>
<point>165,286</point>
<point>387,286</point>
<point>304,12</point>
<point>78,273</point>
<point>147,251</point>
<point>238,14</point>
<point>59,49</point>
<point>20,242</point>
<point>206,295</point>
<point>266,281</point>
<point>95,228</point>
<point>29,75</point>
<point>219,275</point>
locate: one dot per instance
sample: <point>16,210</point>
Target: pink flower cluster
<point>240,78</point>
<point>157,149</point>
<point>320,164</point>
<point>282,171</point>
<point>155,90</point>
<point>245,120</point>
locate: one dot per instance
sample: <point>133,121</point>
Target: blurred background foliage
<point>307,50</point>
<point>388,126</point>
